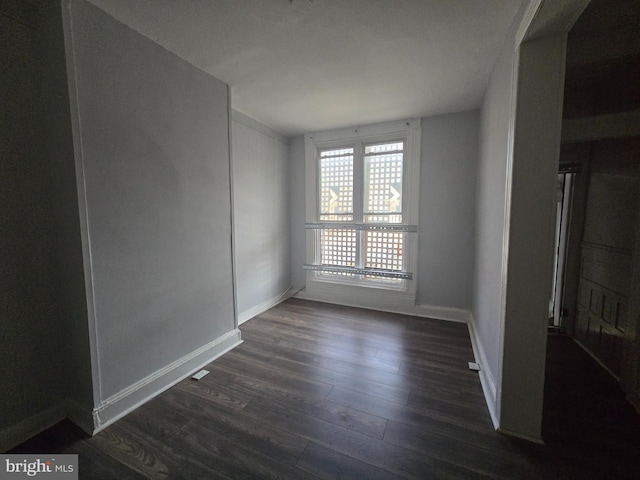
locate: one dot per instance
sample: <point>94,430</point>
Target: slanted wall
<point>151,136</point>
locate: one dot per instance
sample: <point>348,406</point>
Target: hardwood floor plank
<point>214,392</point>
<point>431,366</point>
<point>339,415</point>
<point>429,398</point>
<point>348,353</point>
<point>317,407</point>
<point>230,458</point>
<point>93,463</point>
<point>305,339</point>
<point>138,451</point>
<point>270,441</point>
<point>194,470</point>
<point>420,351</point>
<point>436,382</point>
<point>351,381</point>
<point>461,415</point>
<point>367,449</point>
<point>295,383</point>
<point>366,374</point>
<point>328,464</point>
<point>467,455</point>
<point>157,419</point>
<point>448,471</point>
<point>371,329</point>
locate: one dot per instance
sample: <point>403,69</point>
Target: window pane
<point>336,218</point>
<point>384,250</point>
<point>336,152</point>
<point>383,182</point>
<point>336,182</point>
<point>338,247</point>
<point>385,147</point>
<point>383,218</point>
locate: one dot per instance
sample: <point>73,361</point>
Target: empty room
<point>320,239</point>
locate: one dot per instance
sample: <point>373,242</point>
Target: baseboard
<point>442,313</point>
<point>264,306</point>
<point>425,311</point>
<point>29,427</point>
<point>120,404</point>
<point>487,379</point>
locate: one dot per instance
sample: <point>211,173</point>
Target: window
<point>362,188</point>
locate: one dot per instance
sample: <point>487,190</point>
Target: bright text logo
<point>54,467</point>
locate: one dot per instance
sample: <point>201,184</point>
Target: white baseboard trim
<point>124,402</point>
<point>442,313</point>
<point>425,311</point>
<point>264,306</point>
<point>487,379</point>
<point>33,425</point>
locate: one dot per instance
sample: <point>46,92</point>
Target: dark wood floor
<point>320,391</point>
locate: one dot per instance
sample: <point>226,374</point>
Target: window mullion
<point>358,184</point>
<point>358,201</point>
<point>360,246</point>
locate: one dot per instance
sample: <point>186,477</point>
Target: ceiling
<point>308,65</point>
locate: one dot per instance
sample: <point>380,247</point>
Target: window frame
<point>409,131</point>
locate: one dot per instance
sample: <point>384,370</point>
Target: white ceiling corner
<point>309,65</point>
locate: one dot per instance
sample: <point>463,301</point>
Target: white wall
<point>151,137</point>
<point>261,215</point>
<point>488,282</point>
<point>447,210</point>
<point>536,151</point>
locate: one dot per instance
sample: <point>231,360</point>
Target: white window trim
<point>374,295</point>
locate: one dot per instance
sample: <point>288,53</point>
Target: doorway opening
<point>565,183</point>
